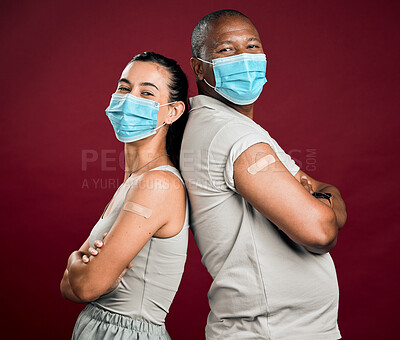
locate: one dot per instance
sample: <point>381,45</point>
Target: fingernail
<point>304,177</point>
<point>309,182</point>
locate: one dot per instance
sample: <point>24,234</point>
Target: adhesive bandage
<point>261,164</point>
<point>137,209</point>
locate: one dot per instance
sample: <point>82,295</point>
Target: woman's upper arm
<point>151,202</point>
<point>276,194</point>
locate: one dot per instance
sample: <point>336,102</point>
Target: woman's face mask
<point>239,78</point>
<point>133,118</point>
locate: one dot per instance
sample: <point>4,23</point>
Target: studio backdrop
<point>331,102</point>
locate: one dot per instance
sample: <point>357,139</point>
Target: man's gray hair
<point>201,30</point>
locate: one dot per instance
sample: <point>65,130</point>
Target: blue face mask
<point>133,118</point>
<point>239,78</point>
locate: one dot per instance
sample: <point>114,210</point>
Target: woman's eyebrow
<point>148,84</point>
<point>124,80</point>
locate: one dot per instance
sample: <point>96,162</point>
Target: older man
<point>264,228</point>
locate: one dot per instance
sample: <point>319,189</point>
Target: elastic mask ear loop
<point>213,87</point>
<point>205,61</point>
<point>169,103</point>
<point>160,126</point>
<point>164,122</point>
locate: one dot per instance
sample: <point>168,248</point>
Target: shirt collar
<point>200,101</point>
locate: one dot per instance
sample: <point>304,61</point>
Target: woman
<point>131,278</point>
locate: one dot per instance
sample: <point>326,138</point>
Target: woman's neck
<point>144,155</point>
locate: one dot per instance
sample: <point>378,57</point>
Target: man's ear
<point>197,67</point>
<point>175,111</point>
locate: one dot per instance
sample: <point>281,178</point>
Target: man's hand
<point>306,183</point>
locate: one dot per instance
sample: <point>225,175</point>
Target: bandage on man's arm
<point>261,164</point>
<point>262,179</point>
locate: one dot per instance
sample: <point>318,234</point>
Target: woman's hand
<point>94,252</point>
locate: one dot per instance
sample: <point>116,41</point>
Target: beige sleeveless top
<point>148,288</point>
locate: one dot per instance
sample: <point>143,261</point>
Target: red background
<point>331,101</point>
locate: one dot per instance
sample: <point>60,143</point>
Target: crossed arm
<point>308,221</point>
<point>85,281</point>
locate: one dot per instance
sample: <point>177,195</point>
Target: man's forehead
<point>231,27</point>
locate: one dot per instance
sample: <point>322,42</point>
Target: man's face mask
<point>239,78</point>
<point>133,118</point>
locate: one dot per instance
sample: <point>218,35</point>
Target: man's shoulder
<point>202,101</point>
<point>210,104</point>
<point>213,122</point>
<point>214,114</point>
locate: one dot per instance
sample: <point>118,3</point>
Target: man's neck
<point>246,110</point>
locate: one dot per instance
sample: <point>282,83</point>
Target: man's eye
<point>253,46</point>
<point>226,49</point>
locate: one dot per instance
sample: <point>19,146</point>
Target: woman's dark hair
<point>178,91</point>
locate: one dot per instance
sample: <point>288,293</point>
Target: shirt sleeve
<point>236,138</point>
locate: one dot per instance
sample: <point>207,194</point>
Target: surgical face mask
<point>239,78</point>
<point>133,118</point>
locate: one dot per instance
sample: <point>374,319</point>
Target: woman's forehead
<point>146,71</point>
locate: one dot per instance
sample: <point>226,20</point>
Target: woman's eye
<point>122,88</point>
<point>145,93</point>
